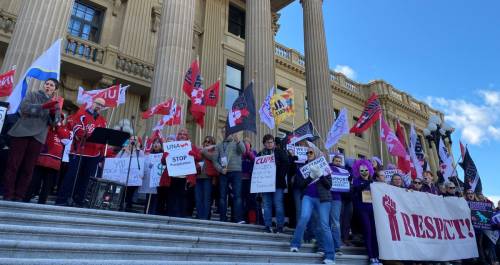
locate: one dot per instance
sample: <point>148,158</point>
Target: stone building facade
<point>149,45</point>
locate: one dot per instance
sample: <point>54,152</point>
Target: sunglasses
<point>363,170</point>
<point>417,183</point>
<point>451,188</point>
<point>310,152</point>
<point>470,193</point>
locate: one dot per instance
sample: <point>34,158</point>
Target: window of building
<point>336,111</point>
<point>360,135</point>
<point>85,21</point>
<point>236,23</point>
<point>234,84</point>
<point>306,108</point>
<point>360,156</point>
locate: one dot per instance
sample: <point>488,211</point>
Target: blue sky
<point>446,53</point>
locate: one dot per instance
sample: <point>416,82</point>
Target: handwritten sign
<point>115,169</point>
<point>152,173</point>
<point>299,151</point>
<point>388,174</point>
<point>320,162</point>
<point>263,175</point>
<point>179,163</point>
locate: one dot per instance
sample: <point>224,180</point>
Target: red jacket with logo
<point>52,151</point>
<point>83,123</point>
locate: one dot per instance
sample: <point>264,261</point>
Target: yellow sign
<point>282,106</point>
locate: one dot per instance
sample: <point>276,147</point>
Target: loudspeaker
<point>103,194</point>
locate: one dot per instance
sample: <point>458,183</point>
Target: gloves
<point>49,104</point>
<point>315,172</point>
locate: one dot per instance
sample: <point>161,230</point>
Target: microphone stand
<point>132,148</point>
<point>81,148</point>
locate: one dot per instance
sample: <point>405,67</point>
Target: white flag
<point>44,67</point>
<point>413,155</point>
<point>339,128</point>
<point>122,94</point>
<point>265,110</point>
<point>447,165</point>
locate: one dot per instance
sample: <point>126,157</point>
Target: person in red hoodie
<point>49,163</point>
<point>83,124</point>
<point>177,193</point>
<point>205,177</point>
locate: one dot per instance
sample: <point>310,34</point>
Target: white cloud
<point>346,70</point>
<point>477,123</point>
<point>493,198</point>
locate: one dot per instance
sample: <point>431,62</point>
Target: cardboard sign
<point>115,169</point>
<point>179,163</point>
<point>151,180</point>
<point>263,174</point>
<point>320,162</point>
<point>481,213</point>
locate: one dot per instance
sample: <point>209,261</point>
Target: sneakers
<point>294,249</point>
<point>268,230</point>
<point>338,253</point>
<point>241,222</point>
<point>375,261</point>
<point>321,252</point>
<point>328,261</point>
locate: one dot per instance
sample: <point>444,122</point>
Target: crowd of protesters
<point>33,148</point>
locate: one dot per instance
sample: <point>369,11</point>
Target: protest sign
<point>481,213</point>
<point>340,180</point>
<point>421,226</point>
<point>152,173</point>
<point>388,174</point>
<point>116,169</point>
<point>263,175</point>
<point>320,162</point>
<point>299,151</point>
<point>179,162</point>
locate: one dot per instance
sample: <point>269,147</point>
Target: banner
<point>263,175</point>
<point>179,162</point>
<point>340,180</point>
<point>321,162</point>
<point>282,106</point>
<point>115,169</point>
<point>421,226</point>
<point>481,213</point>
<point>265,110</point>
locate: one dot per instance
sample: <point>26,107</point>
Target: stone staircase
<point>46,234</point>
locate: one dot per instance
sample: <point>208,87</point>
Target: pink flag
<point>394,146</point>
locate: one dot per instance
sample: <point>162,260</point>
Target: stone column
<point>259,57</point>
<point>212,61</point>
<point>38,25</point>
<point>319,91</point>
<point>173,56</point>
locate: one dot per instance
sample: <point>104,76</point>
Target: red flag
<point>7,83</point>
<point>394,145</point>
<point>212,94</point>
<point>163,108</point>
<point>370,115</point>
<point>462,150</point>
<point>400,133</point>
<point>149,141</point>
<point>197,97</point>
<point>190,78</point>
<point>176,119</point>
<point>404,162</point>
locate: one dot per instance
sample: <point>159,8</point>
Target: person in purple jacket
<point>335,209</point>
<point>362,171</point>
<point>428,183</point>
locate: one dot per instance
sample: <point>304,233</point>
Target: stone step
<point>15,249</point>
<point>16,207</point>
<point>72,235</point>
<point>125,262</point>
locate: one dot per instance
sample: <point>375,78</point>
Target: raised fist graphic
<point>390,209</point>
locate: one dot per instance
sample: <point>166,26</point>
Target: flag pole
<point>319,135</point>
<point>380,141</point>
<point>216,114</point>
<point>455,169</point>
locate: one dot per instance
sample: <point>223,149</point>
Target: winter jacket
<point>52,151</point>
<point>429,189</point>
<point>232,151</point>
<point>208,169</point>
<point>281,160</point>
<point>34,119</point>
<point>360,185</point>
<point>76,123</point>
<point>165,179</point>
<point>247,161</point>
<point>323,185</point>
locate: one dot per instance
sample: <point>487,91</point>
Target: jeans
<point>308,205</point>
<point>88,168</point>
<point>345,217</point>
<point>335,223</point>
<point>203,197</point>
<point>233,178</point>
<point>276,198</point>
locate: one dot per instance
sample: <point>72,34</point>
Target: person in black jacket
<point>276,198</point>
<point>316,196</point>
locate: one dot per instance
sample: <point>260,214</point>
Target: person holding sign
<point>316,196</point>
<point>336,207</point>
<point>275,198</point>
<point>132,149</point>
<point>208,173</point>
<point>362,171</point>
<point>228,163</point>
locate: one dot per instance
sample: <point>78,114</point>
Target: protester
<point>203,189</point>
<point>377,165</point>
<point>450,189</point>
<point>397,180</point>
<point>316,196</point>
<point>335,209</point>
<point>156,148</point>
<point>416,185</point>
<point>83,124</point>
<point>380,176</point>
<point>248,200</point>
<point>162,190</point>
<point>177,194</point>
<point>428,183</point>
<point>48,163</point>
<point>362,170</point>
<point>131,150</point>
<point>37,110</point>
<point>346,210</point>
<point>228,163</point>
<point>275,198</point>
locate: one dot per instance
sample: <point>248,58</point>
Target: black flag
<point>242,116</point>
<point>304,132</point>
<point>471,176</point>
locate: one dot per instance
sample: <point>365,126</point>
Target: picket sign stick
<point>149,203</point>
<point>380,140</point>
<point>455,170</point>
<point>216,114</point>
